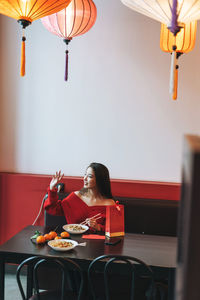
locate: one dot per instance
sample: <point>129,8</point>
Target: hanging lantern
<point>164,11</point>
<point>174,14</point>
<point>27,11</point>
<point>76,19</point>
<point>183,41</point>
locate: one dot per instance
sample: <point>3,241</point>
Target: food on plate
<point>40,239</point>
<point>75,227</point>
<point>64,234</point>
<point>61,244</point>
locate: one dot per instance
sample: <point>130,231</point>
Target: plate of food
<point>62,244</point>
<point>75,228</point>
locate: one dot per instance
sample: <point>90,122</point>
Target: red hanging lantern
<point>76,19</point>
<point>26,11</point>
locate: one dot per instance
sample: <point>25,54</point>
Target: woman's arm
<point>52,204</point>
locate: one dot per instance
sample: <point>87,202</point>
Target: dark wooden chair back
<point>52,220</point>
<point>114,277</point>
<point>52,289</point>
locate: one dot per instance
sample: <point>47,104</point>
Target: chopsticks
<point>96,217</point>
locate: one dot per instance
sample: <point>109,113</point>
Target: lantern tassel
<point>66,65</point>
<point>175,83</point>
<point>172,71</point>
<point>23,57</point>
<point>66,41</point>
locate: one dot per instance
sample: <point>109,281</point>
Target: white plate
<point>70,230</point>
<point>74,244</point>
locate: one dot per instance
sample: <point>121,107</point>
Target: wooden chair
<point>59,287</point>
<point>116,277</point>
<point>52,220</point>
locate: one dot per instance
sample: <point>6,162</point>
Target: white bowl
<point>69,228</point>
<point>53,242</point>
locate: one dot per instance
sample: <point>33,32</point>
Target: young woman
<point>81,205</point>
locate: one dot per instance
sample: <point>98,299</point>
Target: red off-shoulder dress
<point>73,208</point>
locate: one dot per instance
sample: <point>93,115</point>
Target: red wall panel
<point>21,196</point>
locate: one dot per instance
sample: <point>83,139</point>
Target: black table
<point>157,251</point>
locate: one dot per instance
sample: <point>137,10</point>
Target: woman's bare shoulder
<point>77,193</point>
<point>109,202</point>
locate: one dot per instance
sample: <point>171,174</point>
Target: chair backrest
<point>59,268</point>
<point>52,220</point>
<point>120,277</point>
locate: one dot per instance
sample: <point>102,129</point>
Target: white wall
<point>114,109</point>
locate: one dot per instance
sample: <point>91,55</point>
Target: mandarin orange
<point>40,239</point>
<point>52,235</point>
<point>64,234</point>
<point>47,237</point>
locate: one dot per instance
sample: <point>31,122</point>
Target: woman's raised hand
<point>55,180</point>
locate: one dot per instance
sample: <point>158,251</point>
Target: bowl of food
<point>75,228</point>
<point>62,244</point>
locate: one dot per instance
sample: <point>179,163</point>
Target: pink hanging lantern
<point>76,19</point>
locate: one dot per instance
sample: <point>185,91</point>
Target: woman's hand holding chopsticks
<point>92,222</point>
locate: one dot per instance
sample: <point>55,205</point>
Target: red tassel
<point>23,57</point>
<point>117,205</point>
<point>66,65</point>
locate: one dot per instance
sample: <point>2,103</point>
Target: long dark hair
<point>102,180</point>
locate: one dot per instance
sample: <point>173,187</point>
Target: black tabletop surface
<point>159,251</point>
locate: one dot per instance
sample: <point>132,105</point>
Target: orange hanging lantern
<point>175,14</point>
<point>76,19</point>
<point>182,42</point>
<point>27,11</point>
